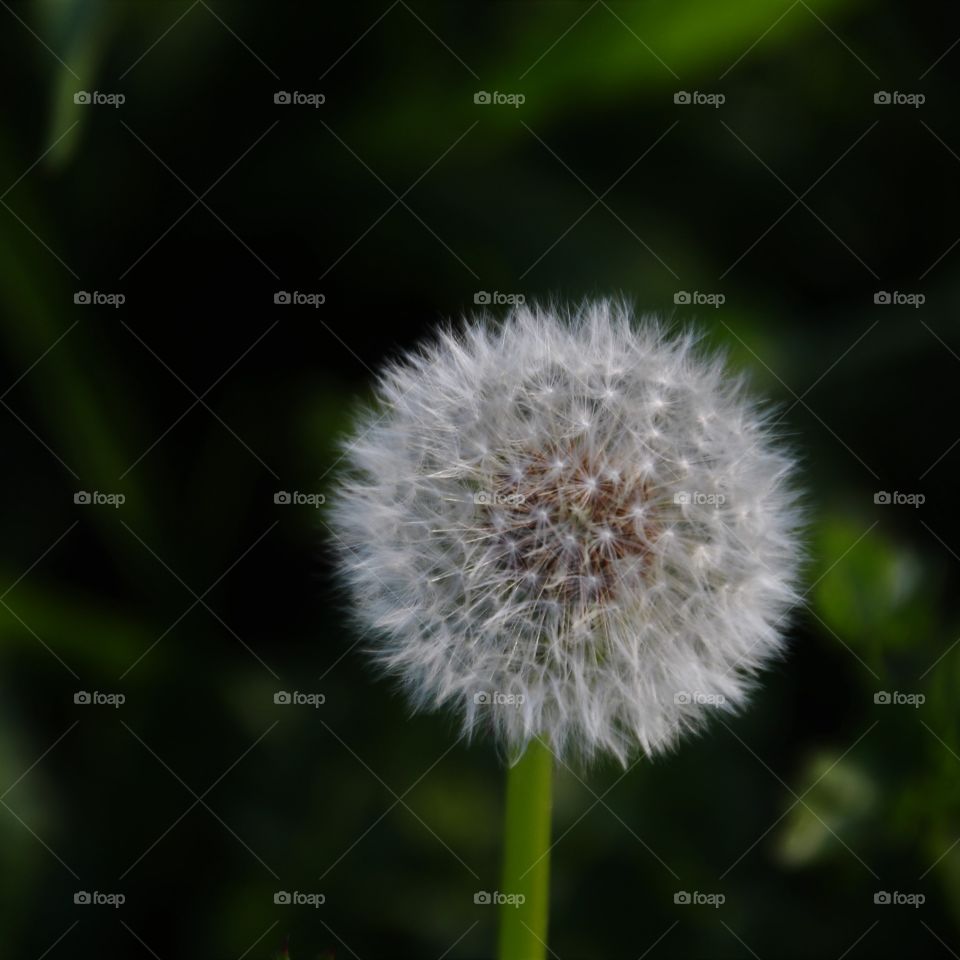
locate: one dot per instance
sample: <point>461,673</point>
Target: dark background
<point>400,199</point>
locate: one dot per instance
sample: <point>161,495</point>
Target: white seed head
<point>572,525</point>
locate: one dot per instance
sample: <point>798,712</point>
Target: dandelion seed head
<point>573,525</point>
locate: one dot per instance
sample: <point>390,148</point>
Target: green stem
<point>526,861</point>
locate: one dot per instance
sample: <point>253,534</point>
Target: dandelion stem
<point>526,861</point>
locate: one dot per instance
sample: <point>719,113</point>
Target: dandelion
<point>572,527</point>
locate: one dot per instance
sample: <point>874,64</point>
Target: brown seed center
<point>570,526</point>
